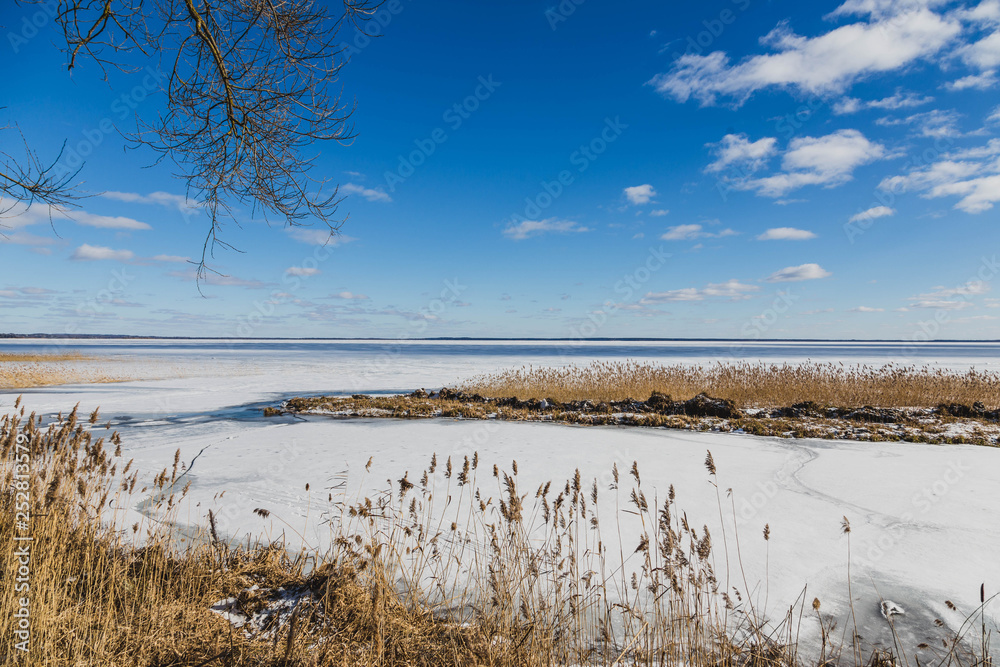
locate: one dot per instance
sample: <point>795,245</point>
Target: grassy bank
<point>457,564</point>
<point>748,385</point>
<point>20,371</point>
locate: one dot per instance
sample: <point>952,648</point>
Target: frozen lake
<point>925,519</point>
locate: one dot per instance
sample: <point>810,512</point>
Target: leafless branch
<point>251,88</point>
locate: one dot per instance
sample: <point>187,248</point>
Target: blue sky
<point>733,169</point>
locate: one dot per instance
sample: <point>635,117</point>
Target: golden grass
<point>21,371</point>
<point>458,565</point>
<point>747,384</point>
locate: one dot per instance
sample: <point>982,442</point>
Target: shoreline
<point>941,425</point>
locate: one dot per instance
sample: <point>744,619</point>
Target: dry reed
<point>748,384</point>
<point>457,565</point>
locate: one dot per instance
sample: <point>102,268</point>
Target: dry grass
<point>21,371</point>
<point>457,565</point>
<point>748,385</point>
<point>63,356</point>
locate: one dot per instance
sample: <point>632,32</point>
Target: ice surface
<point>925,519</point>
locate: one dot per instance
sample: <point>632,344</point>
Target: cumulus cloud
<point>349,296</point>
<point>737,150</point>
<point>873,213</point>
<point>89,253</point>
<point>529,228</point>
<point>170,258</point>
<point>660,212</point>
<point>866,309</point>
<point>972,175</point>
<point>370,194</point>
<point>689,232</point>
<point>786,234</point>
<point>896,36</point>
<point>981,81</point>
<point>798,273</point>
<point>640,194</point>
<point>829,161</point>
<point>732,289</point>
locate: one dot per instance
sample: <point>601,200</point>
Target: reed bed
<point>748,384</point>
<point>456,565</point>
<point>24,370</point>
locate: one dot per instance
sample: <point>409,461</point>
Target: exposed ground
<point>953,423</point>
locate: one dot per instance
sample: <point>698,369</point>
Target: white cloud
<point>798,273</point>
<point>934,124</point>
<point>94,253</point>
<point>218,279</point>
<point>529,228</point>
<point>981,81</point>
<point>16,214</point>
<point>896,37</point>
<point>951,298</point>
<point>368,193</point>
<point>994,117</point>
<point>640,194</point>
<point>731,289</point>
<point>179,202</point>
<point>170,258</point>
<point>984,54</point>
<point>786,234</point>
<point>660,212</point>
<point>689,232</point>
<point>737,149</point>
<point>318,236</point>
<point>682,233</point>
<point>972,174</point>
<point>873,213</point>
<point>828,161</point>
<point>104,221</point>
<point>899,100</point>
<point>302,271</point>
<point>866,309</point>
<point>349,296</point>
<point>26,238</point>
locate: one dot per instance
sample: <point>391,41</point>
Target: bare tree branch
<point>251,89</point>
